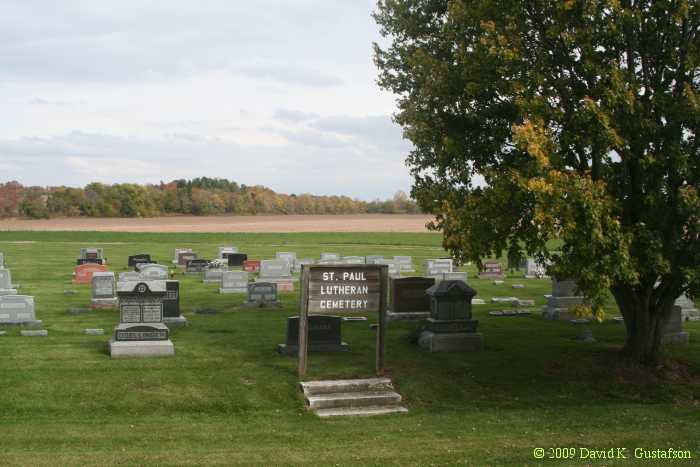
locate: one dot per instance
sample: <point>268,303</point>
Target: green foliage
<point>200,196</point>
<point>576,121</point>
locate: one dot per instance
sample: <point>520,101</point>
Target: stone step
<point>353,399</point>
<point>346,385</point>
<point>361,411</point>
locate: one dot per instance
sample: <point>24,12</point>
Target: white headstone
<point>6,282</point>
<point>154,272</point>
<point>234,282</point>
<point>17,309</point>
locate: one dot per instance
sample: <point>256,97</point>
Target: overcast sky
<point>274,92</point>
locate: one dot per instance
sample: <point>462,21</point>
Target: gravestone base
<point>682,337</point>
<point>283,285</point>
<point>285,349</point>
<point>36,323</point>
<point>411,316</point>
<point>233,290</point>
<point>104,303</point>
<point>137,349</point>
<point>8,291</point>
<point>451,342</point>
<point>452,326</point>
<point>175,321</point>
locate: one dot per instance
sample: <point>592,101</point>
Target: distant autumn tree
<point>569,120</point>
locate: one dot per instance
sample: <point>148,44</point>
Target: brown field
<point>296,223</point>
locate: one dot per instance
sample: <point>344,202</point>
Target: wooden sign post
<point>355,288</point>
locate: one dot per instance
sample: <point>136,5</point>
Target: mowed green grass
<point>228,398</point>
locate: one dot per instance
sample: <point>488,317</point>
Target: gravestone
<point>393,267</point>
<point>324,335</point>
<point>176,258</point>
<point>141,331</point>
<point>236,260</point>
<point>104,290</point>
<point>408,300</point>
<point>491,269</point>
<point>688,310</point>
<point>153,272</point>
<point>374,259</point>
<point>83,274</point>
<point>2,259</point>
<point>133,260</point>
<point>279,272</point>
<point>91,255</point>
<point>18,309</point>
<point>533,269</point>
<point>234,282</point>
<point>214,272</point>
<point>330,257</point>
<point>129,276</point>
<point>404,264</point>
<point>251,265</point>
<point>185,257</point>
<point>6,282</point>
<point>224,251</point>
<point>196,266</point>
<point>302,261</point>
<point>261,294</point>
<point>562,300</point>
<point>450,326</point>
<point>288,256</point>
<point>172,317</point>
<point>673,331</point>
<point>436,267</point>
<point>353,260</point>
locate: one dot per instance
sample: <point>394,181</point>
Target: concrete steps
<point>352,397</point>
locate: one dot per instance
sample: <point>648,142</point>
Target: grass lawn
<point>228,398</point>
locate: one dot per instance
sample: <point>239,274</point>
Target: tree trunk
<point>645,321</point>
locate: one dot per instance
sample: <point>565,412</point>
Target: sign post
<point>343,288</point>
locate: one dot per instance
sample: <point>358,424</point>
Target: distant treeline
<point>200,197</point>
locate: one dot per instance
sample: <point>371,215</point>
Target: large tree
<point>567,120</point>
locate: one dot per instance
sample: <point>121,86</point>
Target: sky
<point>280,93</point>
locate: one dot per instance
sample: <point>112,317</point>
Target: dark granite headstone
<point>262,294</point>
<point>324,335</point>
<point>171,303</point>
<point>141,312</point>
<point>140,258</point>
<point>408,294</point>
<point>236,259</point>
<point>451,307</point>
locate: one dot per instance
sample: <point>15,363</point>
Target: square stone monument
<point>279,272</point>
<point>673,332</point>
<point>404,264</point>
<point>288,256</point>
<point>236,260</point>
<point>408,298</point>
<point>324,335</point>
<point>18,309</point>
<point>104,290</point>
<point>185,257</point>
<point>688,310</point>
<point>561,301</point>
<point>214,272</point>
<point>91,255</point>
<point>172,317</point>
<point>450,326</point>
<point>130,276</point>
<point>262,294</point>
<point>438,266</point>
<point>176,258</point>
<point>141,331</point>
<point>234,282</point>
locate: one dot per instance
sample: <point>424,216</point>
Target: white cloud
<point>270,92</point>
